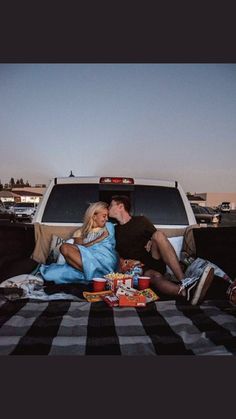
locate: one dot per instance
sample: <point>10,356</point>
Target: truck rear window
<point>162,205</point>
<point>68,203</point>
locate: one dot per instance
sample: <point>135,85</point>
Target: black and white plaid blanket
<point>80,328</point>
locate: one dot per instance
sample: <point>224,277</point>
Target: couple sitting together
<point>98,248</point>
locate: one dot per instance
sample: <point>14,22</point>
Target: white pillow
<point>54,251</point>
<point>177,243</point>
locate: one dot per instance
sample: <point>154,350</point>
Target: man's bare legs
<point>162,248</point>
<point>72,255</point>
<point>163,285</point>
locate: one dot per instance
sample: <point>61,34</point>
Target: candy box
<point>111,300</point>
<point>125,290</point>
<point>114,280</point>
<point>136,300</point>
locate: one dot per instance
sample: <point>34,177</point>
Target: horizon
<point>45,185</point>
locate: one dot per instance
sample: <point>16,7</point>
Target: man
<point>137,238</point>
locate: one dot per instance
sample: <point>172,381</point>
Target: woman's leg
<point>72,255</point>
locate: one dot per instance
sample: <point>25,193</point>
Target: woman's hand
<point>78,240</point>
<point>98,240</point>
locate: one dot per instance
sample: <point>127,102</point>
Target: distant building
<point>8,196</point>
<point>196,199</point>
<point>40,185</point>
<point>37,189</point>
<point>213,199</point>
<point>29,194</point>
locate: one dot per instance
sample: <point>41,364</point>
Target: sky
<point>161,121</point>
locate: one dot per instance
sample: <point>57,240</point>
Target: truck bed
<point>165,327</point>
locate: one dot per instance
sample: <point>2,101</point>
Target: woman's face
<point>100,219</point>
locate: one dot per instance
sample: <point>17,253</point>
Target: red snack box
<point>132,300</point>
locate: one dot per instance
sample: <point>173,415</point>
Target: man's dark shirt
<point>131,239</point>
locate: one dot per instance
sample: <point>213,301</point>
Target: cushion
<point>54,250</point>
<point>43,239</point>
<point>189,245</point>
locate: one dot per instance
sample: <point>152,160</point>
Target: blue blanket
<point>98,260</point>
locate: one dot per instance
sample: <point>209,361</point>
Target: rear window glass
<point>162,205</point>
<point>68,203</point>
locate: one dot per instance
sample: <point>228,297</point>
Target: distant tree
<point>12,183</point>
<point>22,182</point>
<point>27,183</point>
<point>6,186</point>
<point>1,186</point>
<point>17,182</point>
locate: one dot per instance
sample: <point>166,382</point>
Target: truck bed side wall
<point>16,246</point>
<point>219,246</point>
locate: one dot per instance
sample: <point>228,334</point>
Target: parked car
<point>7,215</point>
<point>224,207</point>
<point>24,210</point>
<point>8,205</point>
<point>205,215</point>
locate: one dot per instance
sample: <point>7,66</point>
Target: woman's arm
<point>79,240</point>
<point>98,239</point>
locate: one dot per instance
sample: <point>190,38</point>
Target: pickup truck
<point>63,205</point>
<point>79,327</point>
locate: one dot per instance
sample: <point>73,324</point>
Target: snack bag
<point>93,297</point>
<point>149,294</point>
<point>130,266</point>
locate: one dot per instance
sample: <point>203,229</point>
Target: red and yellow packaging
<point>93,297</point>
<point>149,294</point>
<point>136,300</point>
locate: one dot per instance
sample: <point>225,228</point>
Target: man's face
<point>114,209</point>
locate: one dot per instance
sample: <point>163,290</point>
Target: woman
<point>91,255</point>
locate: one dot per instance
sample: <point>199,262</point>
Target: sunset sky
<point>164,121</point>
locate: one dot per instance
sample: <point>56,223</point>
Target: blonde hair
<point>92,210</point>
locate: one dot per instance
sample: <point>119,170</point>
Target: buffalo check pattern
<point>81,328</point>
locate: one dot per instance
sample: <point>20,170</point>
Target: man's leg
<point>72,255</point>
<point>162,248</point>
<point>193,289</point>
<point>164,285</point>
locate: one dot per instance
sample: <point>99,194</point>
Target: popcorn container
<point>115,280</point>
